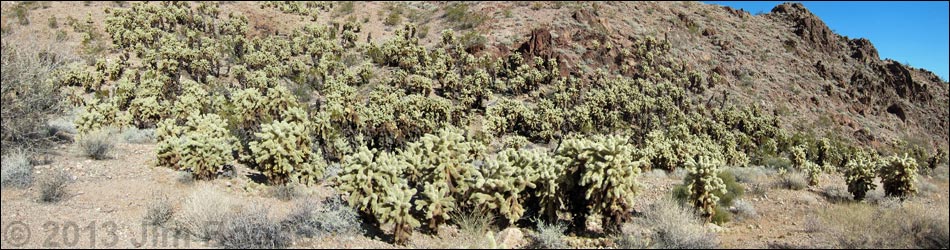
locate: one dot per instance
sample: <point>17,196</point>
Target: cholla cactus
<point>899,175</point>
<point>444,159</point>
<point>283,150</point>
<point>605,175</point>
<point>167,134</point>
<point>372,181</point>
<point>859,174</point>
<point>96,115</point>
<point>202,146</point>
<point>802,163</point>
<point>702,183</point>
<point>192,100</point>
<point>503,184</point>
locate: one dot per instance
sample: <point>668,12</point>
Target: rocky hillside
<point>787,60</point>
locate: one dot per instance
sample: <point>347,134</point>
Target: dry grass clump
<point>667,224</point>
<point>97,145</point>
<point>549,236</point>
<point>159,210</point>
<point>17,171</point>
<point>331,217</point>
<point>252,228</point>
<point>904,225</point>
<point>203,212</point>
<point>53,186</point>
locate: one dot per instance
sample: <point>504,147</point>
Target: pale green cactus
<point>802,163</point>
<point>503,184</point>
<point>192,100</point>
<point>97,114</point>
<point>203,145</point>
<point>702,183</point>
<point>859,174</point>
<point>372,180</point>
<point>605,177</point>
<point>899,176</point>
<point>446,158</point>
<point>283,150</point>
<point>167,133</point>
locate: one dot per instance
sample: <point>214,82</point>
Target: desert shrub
<point>836,194</point>
<point>734,189</point>
<point>184,177</point>
<point>859,174</point>
<point>252,227</point>
<point>750,174</point>
<point>138,136</point>
<point>549,236</point>
<point>777,162</point>
<point>97,145</point>
<point>372,181</point>
<point>791,180</point>
<point>62,124</point>
<point>17,170</point>
<point>203,145</point>
<point>283,153</point>
<point>331,217</point>
<point>159,210</point>
<point>671,226</point>
<point>860,225</point>
<point>474,221</point>
<point>459,14</point>
<point>29,95</point>
<point>744,210</point>
<point>284,192</point>
<point>898,176</point>
<point>702,184</point>
<point>393,18</point>
<point>202,212</point>
<point>924,186</point>
<point>53,186</point>
<point>722,216</point>
<point>602,176</point>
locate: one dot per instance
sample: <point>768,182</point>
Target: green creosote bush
<point>899,175</point>
<point>203,145</point>
<point>374,185</point>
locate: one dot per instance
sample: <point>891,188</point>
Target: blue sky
<point>908,32</point>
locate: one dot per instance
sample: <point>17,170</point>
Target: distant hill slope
<point>787,61</point>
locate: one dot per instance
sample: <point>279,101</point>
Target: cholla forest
<point>462,125</point>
